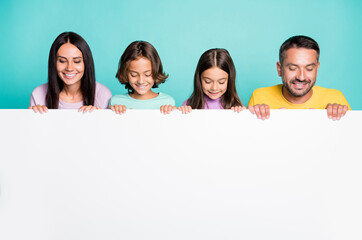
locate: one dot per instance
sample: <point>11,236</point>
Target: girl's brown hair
<point>215,58</point>
<point>134,51</point>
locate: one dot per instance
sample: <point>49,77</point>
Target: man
<point>298,67</point>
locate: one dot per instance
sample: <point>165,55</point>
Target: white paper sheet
<point>205,175</point>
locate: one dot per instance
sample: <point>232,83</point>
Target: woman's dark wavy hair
<point>55,84</point>
<point>136,50</point>
<point>220,58</point>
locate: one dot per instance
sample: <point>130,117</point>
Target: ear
<point>279,68</point>
<point>318,66</point>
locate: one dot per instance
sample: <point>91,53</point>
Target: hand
<point>167,109</point>
<point>89,108</point>
<point>262,111</point>
<point>185,109</point>
<point>39,108</point>
<point>238,108</point>
<point>119,109</point>
<point>335,111</point>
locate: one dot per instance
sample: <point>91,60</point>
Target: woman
<point>71,78</point>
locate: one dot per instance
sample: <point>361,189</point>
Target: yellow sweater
<point>273,97</point>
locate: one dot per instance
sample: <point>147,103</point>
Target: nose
<point>69,66</point>
<point>301,74</point>
<point>214,86</point>
<point>141,79</point>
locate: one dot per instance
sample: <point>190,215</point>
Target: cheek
<point>204,86</point>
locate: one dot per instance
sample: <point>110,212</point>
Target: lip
<point>69,76</point>
<point>141,86</point>
<point>214,93</point>
<point>300,85</point>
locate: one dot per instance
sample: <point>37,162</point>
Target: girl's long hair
<point>55,84</point>
<point>215,58</point>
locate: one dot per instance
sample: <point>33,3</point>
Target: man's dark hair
<point>298,42</point>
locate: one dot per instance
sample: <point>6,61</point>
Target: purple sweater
<point>209,103</point>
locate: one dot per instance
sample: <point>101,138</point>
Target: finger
<point>92,108</point>
<point>251,109</point>
<point>87,108</point>
<point>262,112</point>
<point>257,111</point>
<point>267,111</point>
<point>339,112</point>
<point>329,110</point>
<point>335,112</point>
<point>40,109</point>
<point>345,109</point>
<point>162,110</point>
<point>116,109</point>
<point>123,109</point>
<point>111,107</point>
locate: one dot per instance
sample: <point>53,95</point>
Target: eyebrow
<point>143,72</point>
<point>215,79</point>
<point>292,64</point>
<point>66,58</point>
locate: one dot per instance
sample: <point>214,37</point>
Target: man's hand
<point>262,111</point>
<point>335,111</point>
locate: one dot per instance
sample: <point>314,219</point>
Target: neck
<point>146,96</point>
<point>296,100</point>
<point>71,93</point>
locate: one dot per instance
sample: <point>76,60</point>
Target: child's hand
<point>185,109</point>
<point>167,109</point>
<point>119,109</point>
<point>89,108</point>
<point>238,108</point>
<point>262,111</point>
<point>39,108</point>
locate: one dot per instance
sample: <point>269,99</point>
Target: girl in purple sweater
<point>214,84</point>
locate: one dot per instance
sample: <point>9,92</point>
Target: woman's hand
<point>89,108</point>
<point>39,108</point>
<point>119,109</point>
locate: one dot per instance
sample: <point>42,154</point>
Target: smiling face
<point>70,64</point>
<point>299,73</point>
<point>214,82</point>
<point>140,78</point>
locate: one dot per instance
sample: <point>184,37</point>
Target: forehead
<point>69,50</point>
<point>141,63</point>
<point>214,73</point>
<point>300,56</point>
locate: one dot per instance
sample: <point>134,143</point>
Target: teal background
<point>181,31</point>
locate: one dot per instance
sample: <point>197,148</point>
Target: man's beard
<point>296,94</point>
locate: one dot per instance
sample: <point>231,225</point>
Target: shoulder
<point>100,88</point>
<point>266,90</point>
<point>121,96</point>
<point>39,93</point>
<point>120,99</point>
<point>40,90</point>
<point>328,91</point>
<point>166,99</point>
<point>164,96</point>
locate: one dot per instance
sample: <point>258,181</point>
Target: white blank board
<point>205,175</point>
